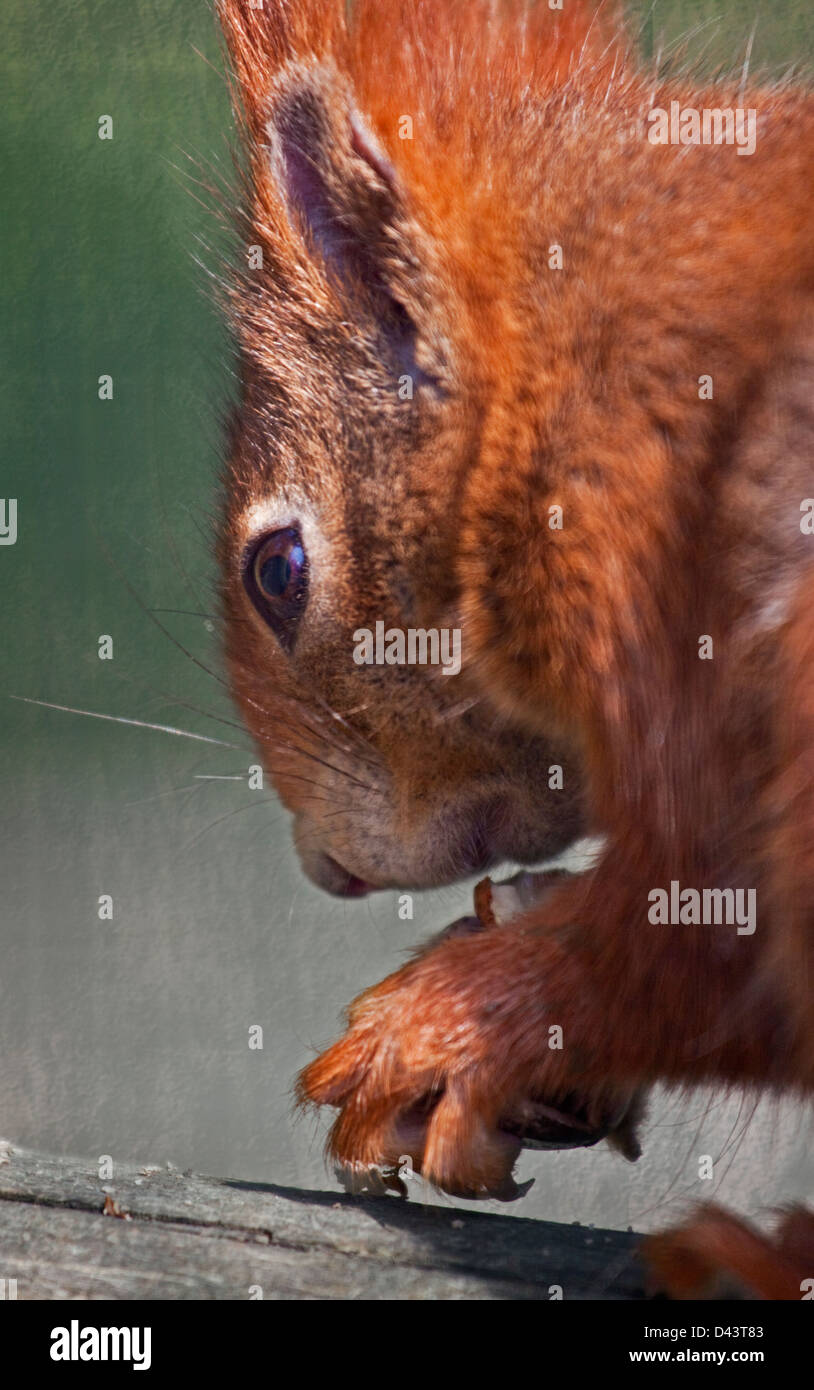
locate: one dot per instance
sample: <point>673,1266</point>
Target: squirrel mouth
<point>333,878</point>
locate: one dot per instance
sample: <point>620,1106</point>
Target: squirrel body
<point>600,474</point>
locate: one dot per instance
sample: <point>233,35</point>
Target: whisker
<point>187,613</point>
<point>207,539</point>
<point>322,762</point>
<point>301,721</point>
<point>161,627</point>
<point>219,777</point>
<point>167,698</point>
<point>207,714</point>
<point>250,806</point>
<point>120,719</point>
<point>169,540</point>
<point>308,753</point>
<point>341,772</point>
<point>172,791</point>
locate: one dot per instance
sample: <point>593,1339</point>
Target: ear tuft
<point>368,148</point>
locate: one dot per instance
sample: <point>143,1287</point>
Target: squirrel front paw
<point>448,1062</point>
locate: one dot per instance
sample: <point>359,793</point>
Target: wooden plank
<point>192,1237</point>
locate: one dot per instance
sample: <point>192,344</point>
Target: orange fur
<point>715,1253</point>
<point>536,388</point>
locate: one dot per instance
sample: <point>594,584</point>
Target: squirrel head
<point>368,305</point>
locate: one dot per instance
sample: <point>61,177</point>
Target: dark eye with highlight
<point>276,578</point>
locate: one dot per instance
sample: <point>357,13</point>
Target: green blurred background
<point>129,1037</point>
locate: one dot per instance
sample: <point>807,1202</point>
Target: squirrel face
<point>397,774</point>
<point>340,508</point>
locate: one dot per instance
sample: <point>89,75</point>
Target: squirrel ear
<point>334,176</point>
<point>344,198</point>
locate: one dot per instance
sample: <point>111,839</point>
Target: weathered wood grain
<point>191,1237</point>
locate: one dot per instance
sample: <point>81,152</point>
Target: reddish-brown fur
<point>681,518</point>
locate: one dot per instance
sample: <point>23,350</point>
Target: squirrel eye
<point>276,577</point>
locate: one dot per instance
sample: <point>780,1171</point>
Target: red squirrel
<point>526,353</point>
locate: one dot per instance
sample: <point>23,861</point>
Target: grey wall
<point>129,1037</point>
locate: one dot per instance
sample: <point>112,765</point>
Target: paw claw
<point>360,1179</point>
